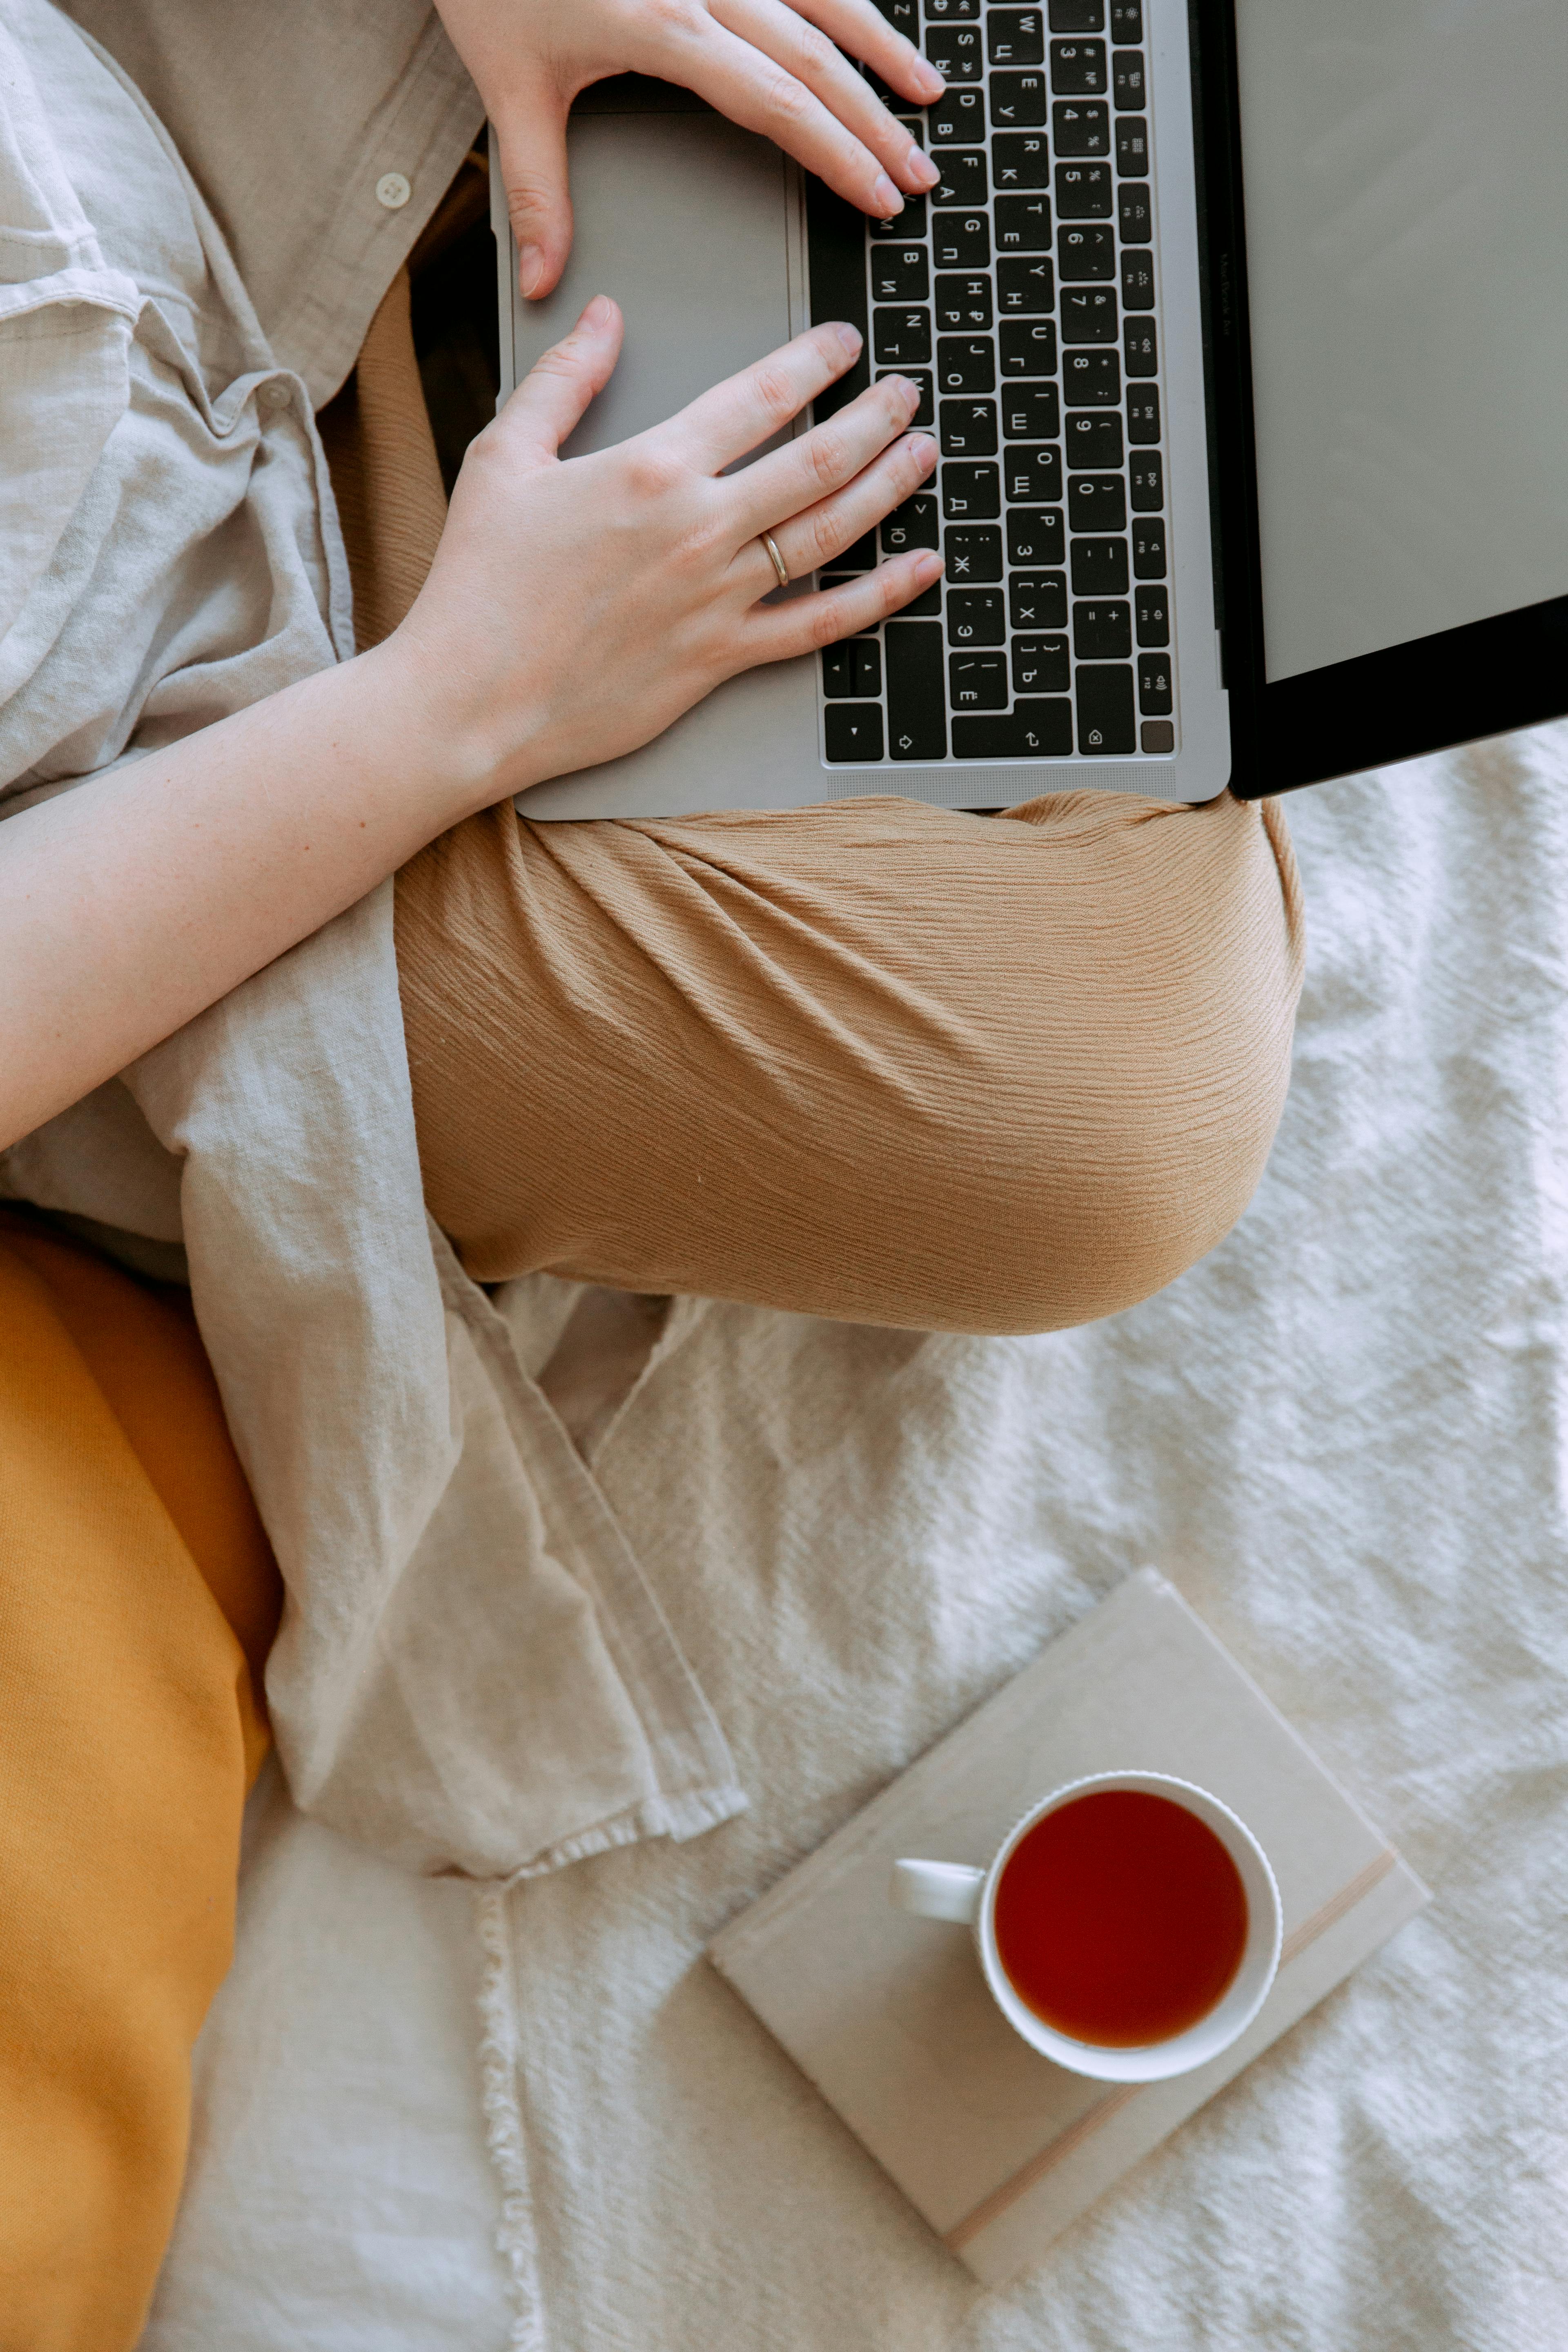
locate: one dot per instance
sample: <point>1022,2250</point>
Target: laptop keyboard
<point>1020,297</point>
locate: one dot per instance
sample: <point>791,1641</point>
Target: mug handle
<point>937,1890</point>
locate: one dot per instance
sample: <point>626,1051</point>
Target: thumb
<point>533,141</point>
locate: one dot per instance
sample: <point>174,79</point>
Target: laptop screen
<point>1406,187</point>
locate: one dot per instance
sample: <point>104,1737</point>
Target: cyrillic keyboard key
<point>1017,100</point>
<point>1146,482</point>
<point>1040,665</point>
<point>1023,223</point>
<point>968,428</point>
<point>1077,16</point>
<point>957,119</point>
<point>1099,567</point>
<point>914,524</point>
<point>956,52</point>
<point>854,731</point>
<point>1086,250</point>
<point>917,723</point>
<point>901,338</point>
<point>963,303</point>
<point>1028,348</point>
<point>1105,720</point>
<point>1103,633</point>
<point>1153,616</point>
<point>861,557</point>
<point>1132,146</point>
<point>1035,729</point>
<point>925,413</point>
<point>1031,412</point>
<point>977,682</point>
<point>969,493</point>
<point>900,273</point>
<point>1034,476</point>
<point>962,180</point>
<point>972,552</point>
<point>1138,282</point>
<point>1126,19</point>
<point>1078,69</point>
<point>836,245</point>
<point>1083,191</point>
<point>1036,535</point>
<point>1135,212</point>
<point>1128,88</point>
<point>927,606</point>
<point>1097,502</point>
<point>1082,126</point>
<point>1015,36</point>
<point>976,616</point>
<point>1092,380</point>
<point>903,225</point>
<point>1143,415</point>
<point>1024,287</point>
<point>951,11</point>
<point>1038,600</point>
<point>1093,437</point>
<point>1020,159</point>
<point>961,240</point>
<point>1139,349</point>
<point>1088,315</point>
<point>1149,551</point>
<point>965,364</point>
<point>1154,686</point>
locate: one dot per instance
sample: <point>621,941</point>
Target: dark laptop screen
<point>1406,195</point>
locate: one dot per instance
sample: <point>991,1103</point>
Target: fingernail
<point>911,393</point>
<point>530,267</point>
<point>929,80</point>
<point>922,449</point>
<point>886,198</point>
<point>597,312</point>
<point>928,567</point>
<point>851,339</point>
<point>921,168</point>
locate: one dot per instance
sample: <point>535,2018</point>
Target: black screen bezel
<point>1509,670</point>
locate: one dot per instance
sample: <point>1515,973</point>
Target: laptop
<point>1243,327</point>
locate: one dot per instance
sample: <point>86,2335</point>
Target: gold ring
<point>767,539</point>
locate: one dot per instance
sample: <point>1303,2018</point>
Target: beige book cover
<point>889,2014</point>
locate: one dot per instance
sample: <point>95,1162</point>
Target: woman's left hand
<point>771,64</point>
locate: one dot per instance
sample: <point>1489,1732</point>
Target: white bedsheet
<point>1341,1436</point>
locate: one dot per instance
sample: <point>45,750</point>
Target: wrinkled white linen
<point>472,1673</point>
<point>1342,1437</point>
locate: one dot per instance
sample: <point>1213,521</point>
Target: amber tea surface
<point>1121,1918</point>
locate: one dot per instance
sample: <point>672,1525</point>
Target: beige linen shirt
<point>472,1674</point>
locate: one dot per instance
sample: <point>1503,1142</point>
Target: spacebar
<point>917,716</point>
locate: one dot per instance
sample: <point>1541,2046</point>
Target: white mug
<point>951,1890</point>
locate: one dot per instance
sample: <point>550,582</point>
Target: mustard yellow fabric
<point>138,1599</point>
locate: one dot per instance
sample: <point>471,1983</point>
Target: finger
<point>787,480</point>
<point>725,423</point>
<point>753,90</point>
<point>554,394</point>
<point>862,29</point>
<point>809,542</point>
<point>532,141</point>
<point>783,34</point>
<point>774,632</point>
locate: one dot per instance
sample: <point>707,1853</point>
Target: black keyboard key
<point>1083,191</point>
<point>1078,69</point>
<point>956,52</point>
<point>964,176</point>
<point>961,240</point>
<point>1099,567</point>
<point>1154,698</point>
<point>900,273</point>
<point>1020,160</point>
<point>837,671</point>
<point>854,731</point>
<point>1023,223</point>
<point>1077,16</point>
<point>1128,87</point>
<point>911,222</point>
<point>836,245</point>
<point>1102,633</point>
<point>1035,535</point>
<point>1095,439</point>
<point>968,428</point>
<point>925,413</point>
<point>904,17</point>
<point>963,303</point>
<point>1090,315</point>
<point>1032,413</point>
<point>1092,380</point>
<point>1138,282</point>
<point>1040,665</point>
<point>1097,502</point>
<point>965,364</point>
<point>924,607</point>
<point>916,721</point>
<point>1132,146</point>
<point>969,493</point>
<point>952,12</point>
<point>861,557</point>
<point>1038,600</point>
<point>1025,287</point>
<point>1146,482</point>
<point>1034,731</point>
<point>1135,212</point>
<point>866,660</point>
<point>1017,100</point>
<point>914,524</point>
<point>974,553</point>
<point>1086,250</point>
<point>1080,127</point>
<point>976,616</point>
<point>1015,36</point>
<point>1033,478</point>
<point>977,681</point>
<point>1028,347</point>
<point>1126,19</point>
<point>1139,349</point>
<point>1157,735</point>
<point>1153,611</point>
<point>958,118</point>
<point>1143,414</point>
<point>1105,720</point>
<point>901,338</point>
<point>1149,551</point>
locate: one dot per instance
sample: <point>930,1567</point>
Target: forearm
<point>131,903</point>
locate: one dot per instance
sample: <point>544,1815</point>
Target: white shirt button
<point>393,191</point>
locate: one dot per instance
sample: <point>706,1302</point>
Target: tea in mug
<point>1121,1918</point>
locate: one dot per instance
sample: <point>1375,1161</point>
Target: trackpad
<point>683,218</point>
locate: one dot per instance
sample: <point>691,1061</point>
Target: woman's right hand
<point>576,607</point>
